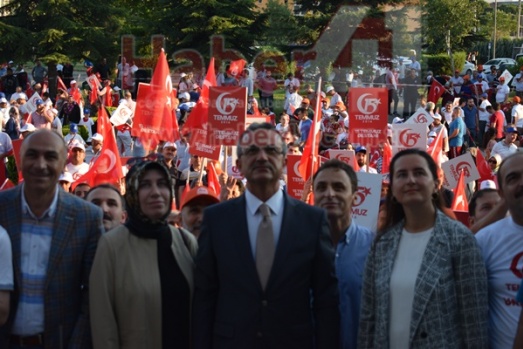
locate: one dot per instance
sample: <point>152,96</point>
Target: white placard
<point>406,136</point>
<point>30,105</point>
<point>421,116</point>
<point>121,115</point>
<point>453,167</point>
<point>366,206</point>
<point>506,74</point>
<point>346,156</point>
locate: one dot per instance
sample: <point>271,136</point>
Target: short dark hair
<point>478,195</point>
<point>500,168</point>
<point>340,165</point>
<point>259,126</point>
<point>106,186</point>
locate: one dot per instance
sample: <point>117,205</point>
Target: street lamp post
<point>495,27</point>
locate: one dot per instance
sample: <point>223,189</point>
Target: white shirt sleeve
<point>6,262</point>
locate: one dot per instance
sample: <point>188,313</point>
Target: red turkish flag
<point>212,179</point>
<point>460,202</point>
<point>483,167</point>
<point>93,96</point>
<point>17,144</point>
<point>309,162</point>
<point>435,149</point>
<point>153,116</point>
<point>106,167</point>
<point>236,67</point>
<point>77,96</point>
<point>61,84</point>
<point>436,91</point>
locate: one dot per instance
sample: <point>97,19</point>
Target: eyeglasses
<point>269,150</point>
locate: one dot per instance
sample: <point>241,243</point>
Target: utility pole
<point>519,19</point>
<point>495,27</point>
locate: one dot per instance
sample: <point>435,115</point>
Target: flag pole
<point>315,126</point>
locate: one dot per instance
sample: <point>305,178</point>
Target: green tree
<point>444,17</point>
<point>57,31</point>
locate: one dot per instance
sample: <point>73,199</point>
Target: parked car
<point>468,68</point>
<point>497,62</point>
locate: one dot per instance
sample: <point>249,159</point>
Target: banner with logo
<point>406,136</point>
<point>200,146</point>
<point>30,105</point>
<point>506,74</point>
<point>368,115</point>
<point>366,206</point>
<point>346,156</point>
<point>121,115</point>
<point>94,82</point>
<point>227,109</point>
<point>453,167</point>
<point>294,181</point>
<point>421,116</point>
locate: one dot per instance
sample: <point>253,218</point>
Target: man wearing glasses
<point>264,271</point>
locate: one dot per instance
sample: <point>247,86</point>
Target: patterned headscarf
<point>132,183</point>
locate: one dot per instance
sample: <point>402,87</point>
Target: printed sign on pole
<point>121,115</point>
<point>368,115</point>
<point>346,156</point>
<point>365,208</point>
<point>406,136</point>
<point>506,74</point>
<point>30,105</point>
<point>227,109</point>
<point>453,167</point>
<point>421,116</point>
<point>294,181</point>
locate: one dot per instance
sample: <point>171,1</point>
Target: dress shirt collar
<point>275,202</point>
<point>50,210</point>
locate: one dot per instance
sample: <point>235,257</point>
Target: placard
<point>368,115</point>
<point>407,136</point>
<point>365,208</point>
<point>227,109</point>
<point>294,181</point>
<point>421,116</point>
<point>453,167</point>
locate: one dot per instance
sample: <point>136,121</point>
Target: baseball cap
<point>77,145</point>
<point>305,101</point>
<point>511,130</point>
<point>432,134</point>
<point>66,177</point>
<point>516,99</point>
<point>185,95</point>
<point>87,111</point>
<point>170,145</point>
<point>39,102</point>
<point>330,88</point>
<point>437,116</point>
<point>182,75</point>
<point>502,78</point>
<point>28,128</point>
<point>200,194</point>
<point>361,149</point>
<point>397,120</point>
<point>3,100</point>
<point>487,184</point>
<point>98,137</point>
<point>73,82</point>
<point>484,95</point>
<point>73,128</point>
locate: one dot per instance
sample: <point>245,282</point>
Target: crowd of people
<point>171,259</point>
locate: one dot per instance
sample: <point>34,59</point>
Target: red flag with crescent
<point>436,91</point>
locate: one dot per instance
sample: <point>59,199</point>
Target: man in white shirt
<point>517,113</point>
<point>76,165</point>
<point>518,82</point>
<point>502,247</point>
<point>502,91</point>
<point>506,146</point>
<point>484,116</point>
<point>361,159</point>
<point>290,85</point>
<point>293,101</point>
<point>334,96</point>
<point>457,81</point>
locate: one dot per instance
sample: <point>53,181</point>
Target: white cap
<point>116,88</point>
<point>182,75</point>
<point>432,134</point>
<point>170,144</point>
<point>98,137</point>
<point>330,88</point>
<point>437,116</point>
<point>397,120</point>
<point>66,177</point>
<point>487,184</point>
<point>3,100</point>
<point>77,145</point>
<point>22,96</point>
<point>73,82</point>
<point>28,128</point>
<point>185,95</point>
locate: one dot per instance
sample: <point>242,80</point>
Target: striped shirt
<point>35,244</point>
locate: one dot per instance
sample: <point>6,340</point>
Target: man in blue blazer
<point>54,237</point>
<point>256,293</point>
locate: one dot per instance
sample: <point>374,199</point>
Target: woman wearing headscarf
<point>425,282</point>
<point>141,281</point>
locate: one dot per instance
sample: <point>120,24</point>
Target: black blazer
<point>298,309</point>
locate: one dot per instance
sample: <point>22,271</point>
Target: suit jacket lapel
<point>241,237</point>
<point>62,231</point>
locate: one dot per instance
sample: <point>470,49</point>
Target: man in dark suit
<point>54,237</point>
<point>264,270</point>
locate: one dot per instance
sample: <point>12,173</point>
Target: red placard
<point>294,181</point>
<point>201,147</point>
<point>227,109</point>
<point>368,115</point>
